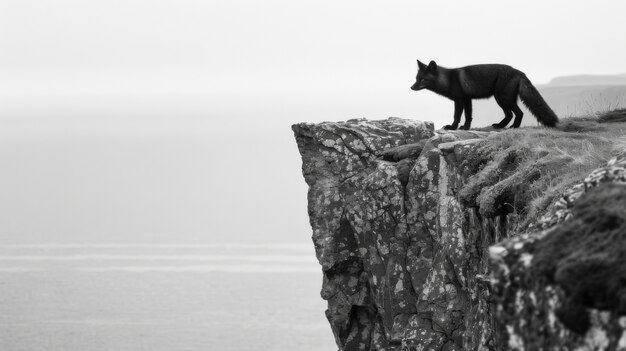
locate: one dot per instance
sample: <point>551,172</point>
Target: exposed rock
<point>403,218</point>
<point>357,212</point>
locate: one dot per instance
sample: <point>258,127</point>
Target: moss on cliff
<point>584,256</point>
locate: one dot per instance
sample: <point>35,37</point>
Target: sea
<point>119,297</point>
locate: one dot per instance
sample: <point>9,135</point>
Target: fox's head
<point>426,76</point>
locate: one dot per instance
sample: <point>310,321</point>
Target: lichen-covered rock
<point>391,237</point>
<point>446,247</point>
<point>356,209</point>
<point>564,288</point>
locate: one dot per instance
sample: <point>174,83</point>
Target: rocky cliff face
<point>403,218</point>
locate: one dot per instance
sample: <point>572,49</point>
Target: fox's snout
<point>416,87</point>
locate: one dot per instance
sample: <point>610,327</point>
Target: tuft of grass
<point>601,104</point>
<point>528,169</point>
<point>580,124</point>
<point>614,116</point>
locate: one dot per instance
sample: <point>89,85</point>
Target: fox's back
<point>481,81</point>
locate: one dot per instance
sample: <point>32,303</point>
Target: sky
<point>169,121</point>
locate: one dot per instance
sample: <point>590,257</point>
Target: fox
<point>503,82</point>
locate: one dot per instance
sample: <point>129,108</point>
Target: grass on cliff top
<point>524,171</point>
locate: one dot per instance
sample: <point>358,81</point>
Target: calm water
<point>138,297</point>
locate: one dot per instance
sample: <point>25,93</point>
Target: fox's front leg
<point>458,110</point>
<point>467,106</point>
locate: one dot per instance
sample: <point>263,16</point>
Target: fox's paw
<point>497,126</point>
<point>465,127</point>
<point>449,127</point>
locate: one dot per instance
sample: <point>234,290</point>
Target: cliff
<point>430,240</point>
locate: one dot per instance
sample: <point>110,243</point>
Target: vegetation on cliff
<point>522,172</point>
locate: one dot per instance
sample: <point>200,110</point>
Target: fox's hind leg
<point>518,116</point>
<point>458,109</point>
<point>508,114</point>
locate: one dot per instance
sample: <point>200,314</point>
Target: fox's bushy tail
<point>536,104</point>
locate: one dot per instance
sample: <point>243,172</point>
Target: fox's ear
<point>420,64</point>
<point>432,66</point>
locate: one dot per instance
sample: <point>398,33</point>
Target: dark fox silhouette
<point>505,83</point>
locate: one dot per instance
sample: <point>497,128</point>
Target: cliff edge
<point>430,240</point>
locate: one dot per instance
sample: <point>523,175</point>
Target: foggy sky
<point>170,120</point>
